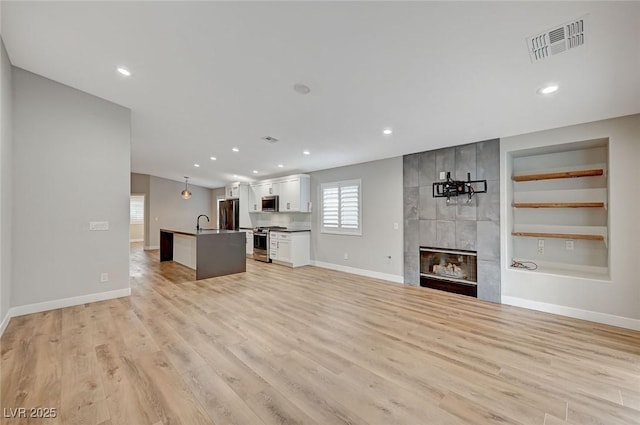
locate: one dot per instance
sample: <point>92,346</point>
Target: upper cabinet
<point>232,190</point>
<point>256,191</point>
<point>293,192</point>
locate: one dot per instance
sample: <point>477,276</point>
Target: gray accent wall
<point>379,249</point>
<point>71,165</point>
<point>430,221</point>
<point>6,167</point>
<point>168,210</point>
<point>165,208</point>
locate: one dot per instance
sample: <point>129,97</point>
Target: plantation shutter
<point>331,207</point>
<point>341,207</point>
<point>350,207</point>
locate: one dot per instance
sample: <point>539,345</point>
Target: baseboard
<point>361,272</point>
<point>67,302</point>
<point>592,316</point>
<point>5,322</point>
<point>151,248</point>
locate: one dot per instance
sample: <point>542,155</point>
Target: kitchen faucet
<point>198,221</point>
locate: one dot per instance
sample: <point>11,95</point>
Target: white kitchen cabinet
<point>256,192</point>
<point>290,248</point>
<point>249,234</point>
<point>293,192</point>
<point>232,190</point>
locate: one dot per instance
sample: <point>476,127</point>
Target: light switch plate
<point>98,225</point>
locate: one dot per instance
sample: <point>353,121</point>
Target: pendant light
<point>186,194</point>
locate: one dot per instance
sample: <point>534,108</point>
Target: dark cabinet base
<point>450,286</point>
<point>166,246</point>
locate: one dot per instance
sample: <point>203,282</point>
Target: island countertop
<point>201,232</point>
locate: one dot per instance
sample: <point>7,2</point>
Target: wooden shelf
<point>559,236</point>
<point>558,175</point>
<point>558,205</point>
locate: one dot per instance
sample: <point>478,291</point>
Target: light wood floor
<point>311,346</point>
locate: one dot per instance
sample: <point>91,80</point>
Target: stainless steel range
<point>261,242</point>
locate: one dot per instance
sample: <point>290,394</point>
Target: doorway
<point>136,218</point>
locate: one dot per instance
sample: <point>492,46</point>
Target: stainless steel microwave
<point>270,203</point>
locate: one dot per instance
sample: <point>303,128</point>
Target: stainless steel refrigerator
<point>229,214</point>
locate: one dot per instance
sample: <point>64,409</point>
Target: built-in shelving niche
<point>559,194</point>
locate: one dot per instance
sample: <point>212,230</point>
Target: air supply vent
<point>270,139</point>
<point>557,40</point>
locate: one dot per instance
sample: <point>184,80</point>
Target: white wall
<point>615,301</point>
<point>381,207</point>
<point>6,106</point>
<point>71,158</point>
<point>167,209</point>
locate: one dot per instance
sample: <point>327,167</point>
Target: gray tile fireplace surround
<point>430,221</point>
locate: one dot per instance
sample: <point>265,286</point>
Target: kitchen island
<point>210,253</point>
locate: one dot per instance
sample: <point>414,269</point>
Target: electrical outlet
<point>104,277</point>
<point>568,245</point>
<point>540,246</point>
<point>443,175</point>
<point>395,226</point>
<point>346,256</point>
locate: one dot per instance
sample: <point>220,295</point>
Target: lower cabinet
<point>290,249</point>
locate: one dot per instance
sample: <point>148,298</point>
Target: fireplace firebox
<point>449,270</point>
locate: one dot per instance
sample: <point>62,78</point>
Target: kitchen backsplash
<point>288,220</point>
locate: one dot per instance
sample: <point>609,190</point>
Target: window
<point>136,209</point>
<point>341,207</point>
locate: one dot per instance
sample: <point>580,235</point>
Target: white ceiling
<point>208,76</point>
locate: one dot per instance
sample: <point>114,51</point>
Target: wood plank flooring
<point>311,346</point>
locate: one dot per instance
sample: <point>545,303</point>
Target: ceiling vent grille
<point>270,139</point>
<point>557,40</point>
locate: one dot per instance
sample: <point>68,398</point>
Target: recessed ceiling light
<point>551,88</point>
<point>387,131</point>
<point>306,152</point>
<point>255,171</point>
<point>235,150</point>
<point>196,165</point>
<point>301,88</point>
<point>280,166</point>
<point>213,158</point>
<point>124,71</point>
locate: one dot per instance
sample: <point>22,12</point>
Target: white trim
<point>593,316</point>
<point>361,272</point>
<point>151,247</point>
<point>136,240</point>
<point>5,322</point>
<point>68,302</point>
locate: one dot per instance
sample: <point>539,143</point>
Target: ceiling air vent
<point>557,40</point>
<point>269,139</point>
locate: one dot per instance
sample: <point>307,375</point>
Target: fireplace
<point>449,270</point>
